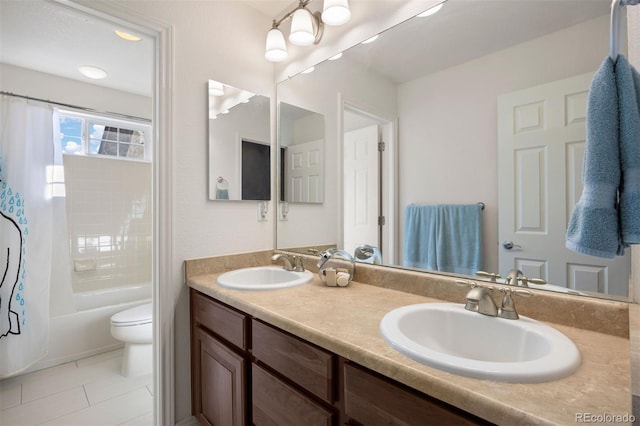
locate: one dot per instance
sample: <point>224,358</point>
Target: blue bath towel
<point>593,228</point>
<point>607,217</point>
<point>628,83</point>
<point>420,227</point>
<point>444,238</point>
<point>459,238</point>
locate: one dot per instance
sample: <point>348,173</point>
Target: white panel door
<point>541,137</point>
<point>305,172</point>
<point>361,192</point>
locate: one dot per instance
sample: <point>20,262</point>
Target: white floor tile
<point>100,357</point>
<point>10,393</point>
<point>39,387</point>
<point>113,386</point>
<point>146,420</point>
<point>45,409</point>
<point>111,412</point>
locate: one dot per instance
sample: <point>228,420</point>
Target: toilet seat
<point>139,315</point>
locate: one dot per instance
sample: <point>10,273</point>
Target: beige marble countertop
<point>345,321</point>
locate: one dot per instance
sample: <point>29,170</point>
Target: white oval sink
<point>448,337</point>
<point>263,278</point>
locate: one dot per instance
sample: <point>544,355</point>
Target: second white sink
<point>448,337</point>
<point>263,278</point>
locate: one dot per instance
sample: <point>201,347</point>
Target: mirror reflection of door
<point>367,181</point>
<point>361,188</point>
<point>301,136</point>
<point>541,137</point>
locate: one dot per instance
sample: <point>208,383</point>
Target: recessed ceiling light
<point>371,40</point>
<point>431,11</point>
<point>308,70</point>
<point>338,56</point>
<point>127,36</point>
<point>92,72</point>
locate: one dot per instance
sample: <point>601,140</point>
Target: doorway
<point>368,152</point>
<point>160,206</point>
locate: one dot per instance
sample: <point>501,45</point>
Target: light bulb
<point>276,48</point>
<point>336,12</point>
<point>302,28</point>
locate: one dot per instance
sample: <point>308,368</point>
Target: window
<point>94,135</point>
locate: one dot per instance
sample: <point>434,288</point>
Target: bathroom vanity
<point>314,355</point>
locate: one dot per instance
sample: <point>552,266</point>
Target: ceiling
<point>51,38</point>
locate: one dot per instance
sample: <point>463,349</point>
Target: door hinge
<point>381,220</point>
<point>381,146</point>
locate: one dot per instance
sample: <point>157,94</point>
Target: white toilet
<point>134,327</point>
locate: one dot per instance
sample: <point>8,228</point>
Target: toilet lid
<point>138,315</point>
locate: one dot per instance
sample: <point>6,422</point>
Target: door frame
<point>163,272</point>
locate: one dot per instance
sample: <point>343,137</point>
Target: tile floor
<point>87,392</point>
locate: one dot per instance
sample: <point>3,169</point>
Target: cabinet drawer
<point>222,320</point>
<point>278,404</point>
<point>372,399</point>
<point>303,363</point>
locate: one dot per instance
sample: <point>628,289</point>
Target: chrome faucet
<point>291,263</point>
<point>517,278</point>
<point>512,276</point>
<point>479,300</point>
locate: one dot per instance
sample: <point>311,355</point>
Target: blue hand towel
<point>593,227</point>
<point>628,84</point>
<point>222,194</point>
<point>420,237</point>
<point>459,238</point>
<point>444,238</point>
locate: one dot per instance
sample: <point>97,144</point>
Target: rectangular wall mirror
<point>480,104</point>
<point>239,147</point>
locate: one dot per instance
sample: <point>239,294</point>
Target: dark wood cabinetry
<point>219,363</point>
<point>245,371</point>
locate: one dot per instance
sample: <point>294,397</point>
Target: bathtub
<point>87,331</point>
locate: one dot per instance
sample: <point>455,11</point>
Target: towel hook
<point>614,41</point>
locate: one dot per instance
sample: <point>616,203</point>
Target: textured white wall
<point>224,41</point>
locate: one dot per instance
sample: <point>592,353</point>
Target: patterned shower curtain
<point>26,157</point>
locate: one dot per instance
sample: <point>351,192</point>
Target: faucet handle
<point>524,281</point>
<point>466,283</point>
<point>508,309</point>
<point>492,276</point>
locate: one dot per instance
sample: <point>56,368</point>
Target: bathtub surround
<point>109,221</point>
<point>600,328</point>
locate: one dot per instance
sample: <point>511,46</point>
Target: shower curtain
<point>26,160</point>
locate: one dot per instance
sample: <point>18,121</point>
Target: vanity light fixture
<point>92,72</point>
<point>127,36</point>
<point>306,27</point>
<point>431,11</point>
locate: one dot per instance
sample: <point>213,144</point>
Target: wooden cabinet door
<point>275,403</point>
<point>219,389</point>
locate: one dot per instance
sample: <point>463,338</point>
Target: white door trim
<point>164,275</point>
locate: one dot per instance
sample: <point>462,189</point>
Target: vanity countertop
<point>345,321</point>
